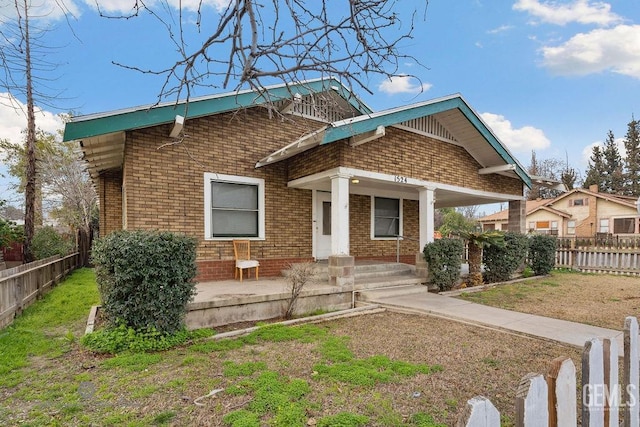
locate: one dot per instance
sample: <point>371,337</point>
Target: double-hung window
<point>387,217</point>
<point>234,207</point>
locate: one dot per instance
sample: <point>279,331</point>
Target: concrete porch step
<point>372,274</point>
<point>383,270</point>
<point>386,282</point>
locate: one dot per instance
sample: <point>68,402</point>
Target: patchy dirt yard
<point>79,388</point>
<point>594,299</point>
<point>389,369</point>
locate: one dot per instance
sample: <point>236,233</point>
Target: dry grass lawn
<point>593,299</point>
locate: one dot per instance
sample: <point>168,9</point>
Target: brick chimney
<point>593,188</point>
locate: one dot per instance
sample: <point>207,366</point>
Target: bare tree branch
<point>251,43</point>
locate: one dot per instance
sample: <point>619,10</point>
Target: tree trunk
<point>30,145</point>
<point>475,262</point>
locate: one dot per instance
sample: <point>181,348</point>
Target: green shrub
<point>444,257</point>
<point>500,262</point>
<point>542,254</point>
<point>48,242</point>
<point>145,278</point>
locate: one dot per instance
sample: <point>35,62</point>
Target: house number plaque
<point>401,179</point>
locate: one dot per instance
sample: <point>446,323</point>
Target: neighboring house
<point>577,213</point>
<point>312,174</point>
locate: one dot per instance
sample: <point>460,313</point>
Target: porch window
<point>234,207</point>
<point>386,217</point>
<point>624,225</point>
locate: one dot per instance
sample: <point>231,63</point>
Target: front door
<point>323,225</point>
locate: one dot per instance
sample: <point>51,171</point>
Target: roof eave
<point>347,128</point>
<point>147,116</point>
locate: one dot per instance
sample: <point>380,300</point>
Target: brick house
<point>578,213</point>
<point>306,171</point>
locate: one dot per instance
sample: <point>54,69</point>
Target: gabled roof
<point>452,112</point>
<point>615,198</point>
<point>152,115</point>
<point>451,119</point>
<point>548,204</point>
<point>102,135</point>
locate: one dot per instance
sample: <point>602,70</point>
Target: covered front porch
<point>226,302</point>
<point>354,215</point>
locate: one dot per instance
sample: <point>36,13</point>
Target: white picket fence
<point>552,400</point>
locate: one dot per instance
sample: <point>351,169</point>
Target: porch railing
<point>398,238</point>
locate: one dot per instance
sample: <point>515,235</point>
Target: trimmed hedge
<point>444,257</point>
<point>145,278</point>
<point>542,253</point>
<point>501,262</point>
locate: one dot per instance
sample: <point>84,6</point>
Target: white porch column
<point>426,212</point>
<point>340,214</point>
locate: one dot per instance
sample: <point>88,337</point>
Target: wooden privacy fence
<point>599,260</point>
<point>553,400</point>
<point>22,285</point>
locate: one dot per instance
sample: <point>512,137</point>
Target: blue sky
<point>550,76</point>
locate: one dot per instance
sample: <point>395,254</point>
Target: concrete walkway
<point>418,299</point>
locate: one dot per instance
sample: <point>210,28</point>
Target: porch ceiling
<point>365,183</point>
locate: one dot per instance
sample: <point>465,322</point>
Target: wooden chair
<point>242,252</point>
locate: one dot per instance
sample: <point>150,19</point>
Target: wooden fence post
<point>593,384</point>
<point>532,402</point>
<point>611,383</point>
<point>479,412</point>
<point>631,372</point>
<point>561,383</point>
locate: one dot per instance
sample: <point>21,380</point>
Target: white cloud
<point>616,49</point>
<point>13,119</point>
<point>403,84</point>
<point>501,29</point>
<point>49,10</point>
<point>581,11</point>
<point>126,6</point>
<point>517,140</point>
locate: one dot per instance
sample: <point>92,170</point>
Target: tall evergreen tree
<point>632,161</point>
<point>595,169</point>
<point>613,167</point>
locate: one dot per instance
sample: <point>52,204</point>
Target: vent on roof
<point>429,126</point>
<point>324,108</point>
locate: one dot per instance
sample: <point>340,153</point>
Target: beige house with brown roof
<point>577,213</point>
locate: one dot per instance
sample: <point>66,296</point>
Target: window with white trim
<point>571,227</point>
<point>386,217</point>
<point>604,226</point>
<point>234,207</point>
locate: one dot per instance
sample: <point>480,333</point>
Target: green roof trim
<point>142,117</point>
<point>362,124</point>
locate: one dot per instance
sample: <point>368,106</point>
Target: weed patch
<point>371,371</point>
<point>132,362</point>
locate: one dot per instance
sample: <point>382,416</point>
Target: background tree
<point>632,159</point>
<point>251,44</point>
<point>23,67</point>
<point>454,222</point>
<point>613,179</point>
<point>74,201</point>
<point>551,169</point>
<point>63,184</point>
<point>595,169</point>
